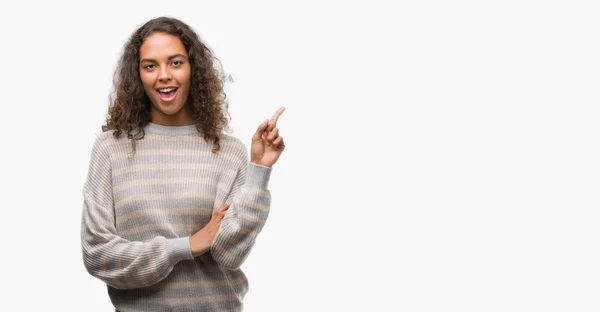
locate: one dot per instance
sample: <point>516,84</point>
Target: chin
<point>169,108</point>
<point>170,112</point>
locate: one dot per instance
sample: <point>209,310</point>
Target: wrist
<point>258,163</point>
<point>197,247</point>
<point>257,176</point>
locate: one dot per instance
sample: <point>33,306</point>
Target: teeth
<point>166,90</point>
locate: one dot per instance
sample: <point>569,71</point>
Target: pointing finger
<point>275,117</point>
<point>225,206</point>
<point>277,114</point>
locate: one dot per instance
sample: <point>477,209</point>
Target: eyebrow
<point>170,58</point>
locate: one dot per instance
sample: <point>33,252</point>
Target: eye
<point>177,63</point>
<point>148,66</point>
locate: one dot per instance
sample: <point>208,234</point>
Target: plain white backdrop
<point>441,155</point>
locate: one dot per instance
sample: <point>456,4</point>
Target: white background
<point>441,155</point>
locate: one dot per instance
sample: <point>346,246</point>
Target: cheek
<point>184,78</point>
<point>147,81</point>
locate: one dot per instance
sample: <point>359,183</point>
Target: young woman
<point>172,206</point>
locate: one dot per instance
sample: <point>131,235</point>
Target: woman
<point>172,206</point>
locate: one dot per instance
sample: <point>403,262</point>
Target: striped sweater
<point>140,209</point>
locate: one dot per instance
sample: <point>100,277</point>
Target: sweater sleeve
<point>250,204</point>
<point>118,262</point>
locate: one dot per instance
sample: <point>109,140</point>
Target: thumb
<point>260,130</point>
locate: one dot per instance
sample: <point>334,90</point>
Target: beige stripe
<point>252,219</point>
<point>242,234</point>
<point>209,168</point>
<point>144,230</point>
<point>253,191</point>
<point>194,267</point>
<point>163,196</point>
<point>198,212</point>
<point>255,204</point>
<point>241,231</point>
<point>204,268</point>
<point>192,300</point>
<point>199,283</point>
<point>178,152</point>
<point>188,211</point>
<point>173,181</point>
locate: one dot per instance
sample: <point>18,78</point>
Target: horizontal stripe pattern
<point>140,209</point>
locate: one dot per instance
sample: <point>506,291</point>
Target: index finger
<point>275,117</point>
<point>224,206</point>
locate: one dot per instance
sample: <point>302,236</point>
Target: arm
<point>250,203</point>
<point>250,198</point>
<point>116,261</point>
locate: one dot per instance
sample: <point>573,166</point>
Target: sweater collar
<point>170,130</point>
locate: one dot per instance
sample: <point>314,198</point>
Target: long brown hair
<point>129,109</point>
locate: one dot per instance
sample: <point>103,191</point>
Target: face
<point>165,73</point>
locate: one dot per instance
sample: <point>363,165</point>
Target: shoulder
<point>232,146</point>
<point>108,138</point>
<point>106,141</point>
<point>232,141</point>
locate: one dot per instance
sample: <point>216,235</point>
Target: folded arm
<point>250,204</point>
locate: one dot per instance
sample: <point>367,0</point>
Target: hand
<point>203,239</point>
<point>267,145</point>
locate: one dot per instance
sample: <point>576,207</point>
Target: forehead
<point>160,46</point>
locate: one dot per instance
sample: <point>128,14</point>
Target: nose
<point>164,75</point>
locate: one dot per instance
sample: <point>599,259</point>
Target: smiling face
<point>165,73</point>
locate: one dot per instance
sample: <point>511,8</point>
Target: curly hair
<point>129,108</point>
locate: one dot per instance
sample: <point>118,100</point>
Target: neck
<point>181,118</point>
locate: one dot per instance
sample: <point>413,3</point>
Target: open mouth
<point>167,94</point>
